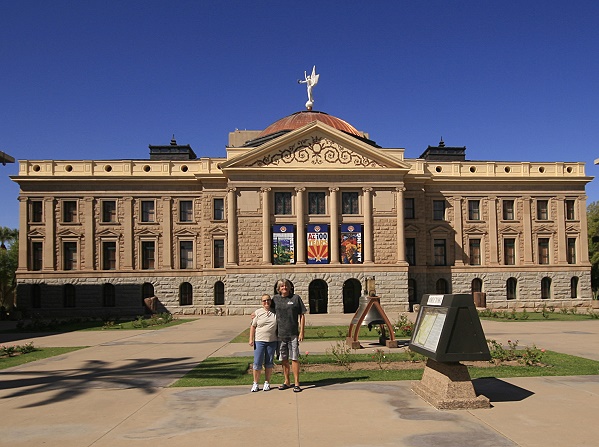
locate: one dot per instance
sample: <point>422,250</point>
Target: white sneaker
<point>266,386</point>
<point>255,387</point>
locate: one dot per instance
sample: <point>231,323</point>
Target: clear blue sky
<point>510,80</point>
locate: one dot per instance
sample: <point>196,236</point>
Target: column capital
<point>300,189</point>
<point>333,189</point>
<point>400,189</point>
<point>367,189</point>
<point>231,189</point>
<point>265,189</point>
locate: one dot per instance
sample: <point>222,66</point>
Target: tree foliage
<point>593,227</point>
<point>9,259</point>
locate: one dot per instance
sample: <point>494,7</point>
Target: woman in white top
<point>263,336</point>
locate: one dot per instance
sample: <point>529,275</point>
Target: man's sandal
<point>284,386</point>
<point>297,389</point>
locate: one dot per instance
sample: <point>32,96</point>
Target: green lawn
<point>92,325</point>
<point>322,333</point>
<point>541,315</point>
<point>229,371</point>
<point>37,354</point>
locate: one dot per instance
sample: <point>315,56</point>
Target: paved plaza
<point>115,393</point>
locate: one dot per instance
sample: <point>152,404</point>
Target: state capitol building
<point>309,198</point>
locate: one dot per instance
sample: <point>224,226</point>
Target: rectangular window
<point>147,255</point>
<point>473,209</point>
<point>474,251</point>
<point>36,211</point>
<point>185,211</point>
<point>37,255</point>
<point>411,250</point>
<point>440,252</point>
<point>542,210</point>
<point>69,253</point>
<point>282,203</point>
<point>219,253</point>
<point>148,211</point>
<point>185,254</point>
<point>316,203</point>
<point>543,250</point>
<point>69,211</point>
<point>349,203</point>
<point>109,255</point>
<point>218,212</point>
<point>438,209</point>
<point>109,211</point>
<point>409,208</point>
<point>570,215</point>
<point>508,210</point>
<point>571,250</point>
<point>509,251</point>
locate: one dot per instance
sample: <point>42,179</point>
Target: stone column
<point>527,233</point>
<point>266,234</point>
<point>334,230</point>
<point>167,234</point>
<point>368,239</point>
<point>231,226</point>
<point>50,239</point>
<point>493,231</point>
<point>459,249</point>
<point>24,245</point>
<point>583,245</point>
<point>88,228</point>
<point>128,240</point>
<point>301,226</point>
<point>401,240</point>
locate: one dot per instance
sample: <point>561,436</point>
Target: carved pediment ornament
<point>317,151</point>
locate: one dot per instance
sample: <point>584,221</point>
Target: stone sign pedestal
<point>447,386</point>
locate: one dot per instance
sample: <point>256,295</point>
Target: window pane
<point>571,250</point>
<point>219,253</point>
<point>409,208</point>
<point>36,255</point>
<point>349,203</point>
<point>108,295</point>
<point>511,288</point>
<point>282,203</point>
<point>509,251</point>
<point>70,255</point>
<point>508,210</point>
<point>439,252</point>
<point>109,211</point>
<point>186,254</point>
<point>69,211</point>
<point>316,203</point>
<point>219,209</point>
<point>147,255</point>
<point>474,251</point>
<point>36,211</point>
<point>542,210</point>
<point>185,211</point>
<point>543,251</point>
<point>185,294</point>
<point>546,288</point>
<point>570,210</point>
<point>438,209</point>
<point>219,293</point>
<point>109,255</point>
<point>147,211</point>
<point>411,250</point>
<point>473,209</point>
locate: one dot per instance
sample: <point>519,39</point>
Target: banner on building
<point>351,244</point>
<point>318,244</point>
<point>283,244</point>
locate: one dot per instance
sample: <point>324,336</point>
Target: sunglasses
<point>266,301</point>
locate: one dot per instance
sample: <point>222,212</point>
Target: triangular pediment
<point>36,233</point>
<point>475,231</point>
<point>543,230</point>
<point>572,229</point>
<point>315,145</point>
<point>509,230</point>
<point>68,233</point>
<point>411,228</point>
<point>440,230</point>
<point>108,233</point>
<point>146,232</point>
<point>220,230</point>
<point>185,233</point>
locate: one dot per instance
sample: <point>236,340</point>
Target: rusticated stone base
<point>447,386</point>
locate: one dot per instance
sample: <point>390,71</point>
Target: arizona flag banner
<point>351,244</point>
<point>283,244</point>
<point>318,244</point>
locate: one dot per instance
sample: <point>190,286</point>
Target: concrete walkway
<point>115,393</point>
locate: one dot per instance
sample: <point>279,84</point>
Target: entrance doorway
<point>318,296</point>
<point>352,289</point>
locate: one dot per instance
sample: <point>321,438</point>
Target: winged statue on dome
<point>310,82</point>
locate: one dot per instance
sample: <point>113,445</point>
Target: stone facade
<point>98,237</point>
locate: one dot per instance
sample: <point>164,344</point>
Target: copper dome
<point>300,119</point>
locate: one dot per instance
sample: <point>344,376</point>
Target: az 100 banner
<point>283,244</point>
<point>351,244</point>
<point>318,244</point>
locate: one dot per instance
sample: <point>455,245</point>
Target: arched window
<point>68,295</point>
<point>477,285</point>
<point>511,286</point>
<point>441,286</point>
<point>546,288</point>
<point>219,293</point>
<point>36,296</point>
<point>147,290</point>
<point>318,296</point>
<point>352,289</point>
<point>574,287</point>
<point>108,295</point>
<point>185,294</point>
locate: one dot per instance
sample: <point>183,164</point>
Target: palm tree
<point>7,235</point>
